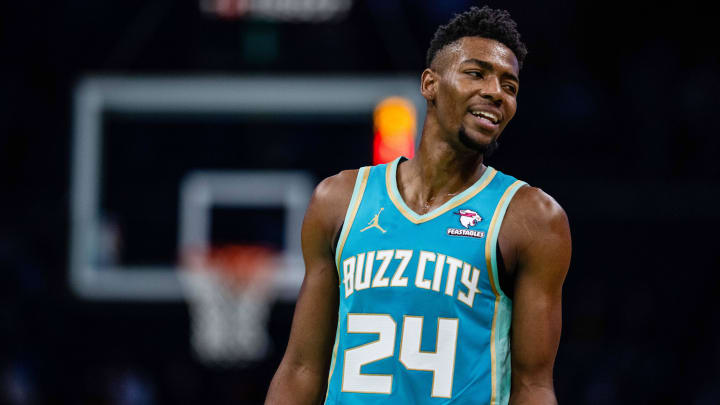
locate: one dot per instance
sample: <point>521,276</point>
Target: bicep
<point>302,373</point>
<point>313,328</point>
<point>536,325</point>
<point>301,377</point>
<point>543,258</point>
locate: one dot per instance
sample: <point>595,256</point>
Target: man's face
<point>476,89</point>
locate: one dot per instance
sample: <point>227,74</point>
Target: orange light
<point>394,125</point>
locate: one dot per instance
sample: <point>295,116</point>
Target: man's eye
<point>475,74</point>
<point>512,89</point>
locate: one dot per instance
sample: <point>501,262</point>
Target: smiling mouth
<point>487,115</point>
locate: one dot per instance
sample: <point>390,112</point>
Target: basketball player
<point>438,279</point>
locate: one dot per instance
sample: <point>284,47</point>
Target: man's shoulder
<point>331,199</point>
<point>336,189</point>
<point>535,226</point>
<point>532,213</point>
<point>534,204</point>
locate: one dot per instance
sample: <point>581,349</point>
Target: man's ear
<point>428,84</point>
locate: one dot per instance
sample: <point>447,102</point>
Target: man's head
<point>479,22</point>
<point>471,80</point>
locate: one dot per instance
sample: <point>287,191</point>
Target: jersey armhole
<point>358,191</point>
<point>491,247</point>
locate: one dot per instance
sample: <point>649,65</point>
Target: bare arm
<point>541,250</point>
<point>302,374</point>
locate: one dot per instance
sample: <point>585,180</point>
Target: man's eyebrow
<point>488,66</point>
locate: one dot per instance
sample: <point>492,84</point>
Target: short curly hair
<point>479,22</point>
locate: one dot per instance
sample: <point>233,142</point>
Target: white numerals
<point>441,362</point>
<point>355,358</point>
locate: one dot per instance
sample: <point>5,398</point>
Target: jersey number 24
<point>441,362</point>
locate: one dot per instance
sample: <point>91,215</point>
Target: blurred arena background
<point>135,133</point>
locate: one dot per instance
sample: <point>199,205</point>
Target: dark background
<point>617,120</point>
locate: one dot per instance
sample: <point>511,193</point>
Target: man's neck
<point>438,172</point>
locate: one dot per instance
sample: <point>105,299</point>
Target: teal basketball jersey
<point>422,318</point>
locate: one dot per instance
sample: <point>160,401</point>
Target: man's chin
<point>484,147</point>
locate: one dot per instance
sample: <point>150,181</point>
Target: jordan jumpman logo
<point>374,222</point>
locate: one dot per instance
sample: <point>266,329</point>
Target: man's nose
<point>491,90</point>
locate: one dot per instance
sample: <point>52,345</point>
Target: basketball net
<point>229,291</point>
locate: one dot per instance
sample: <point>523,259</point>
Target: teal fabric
<point>431,293</point>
